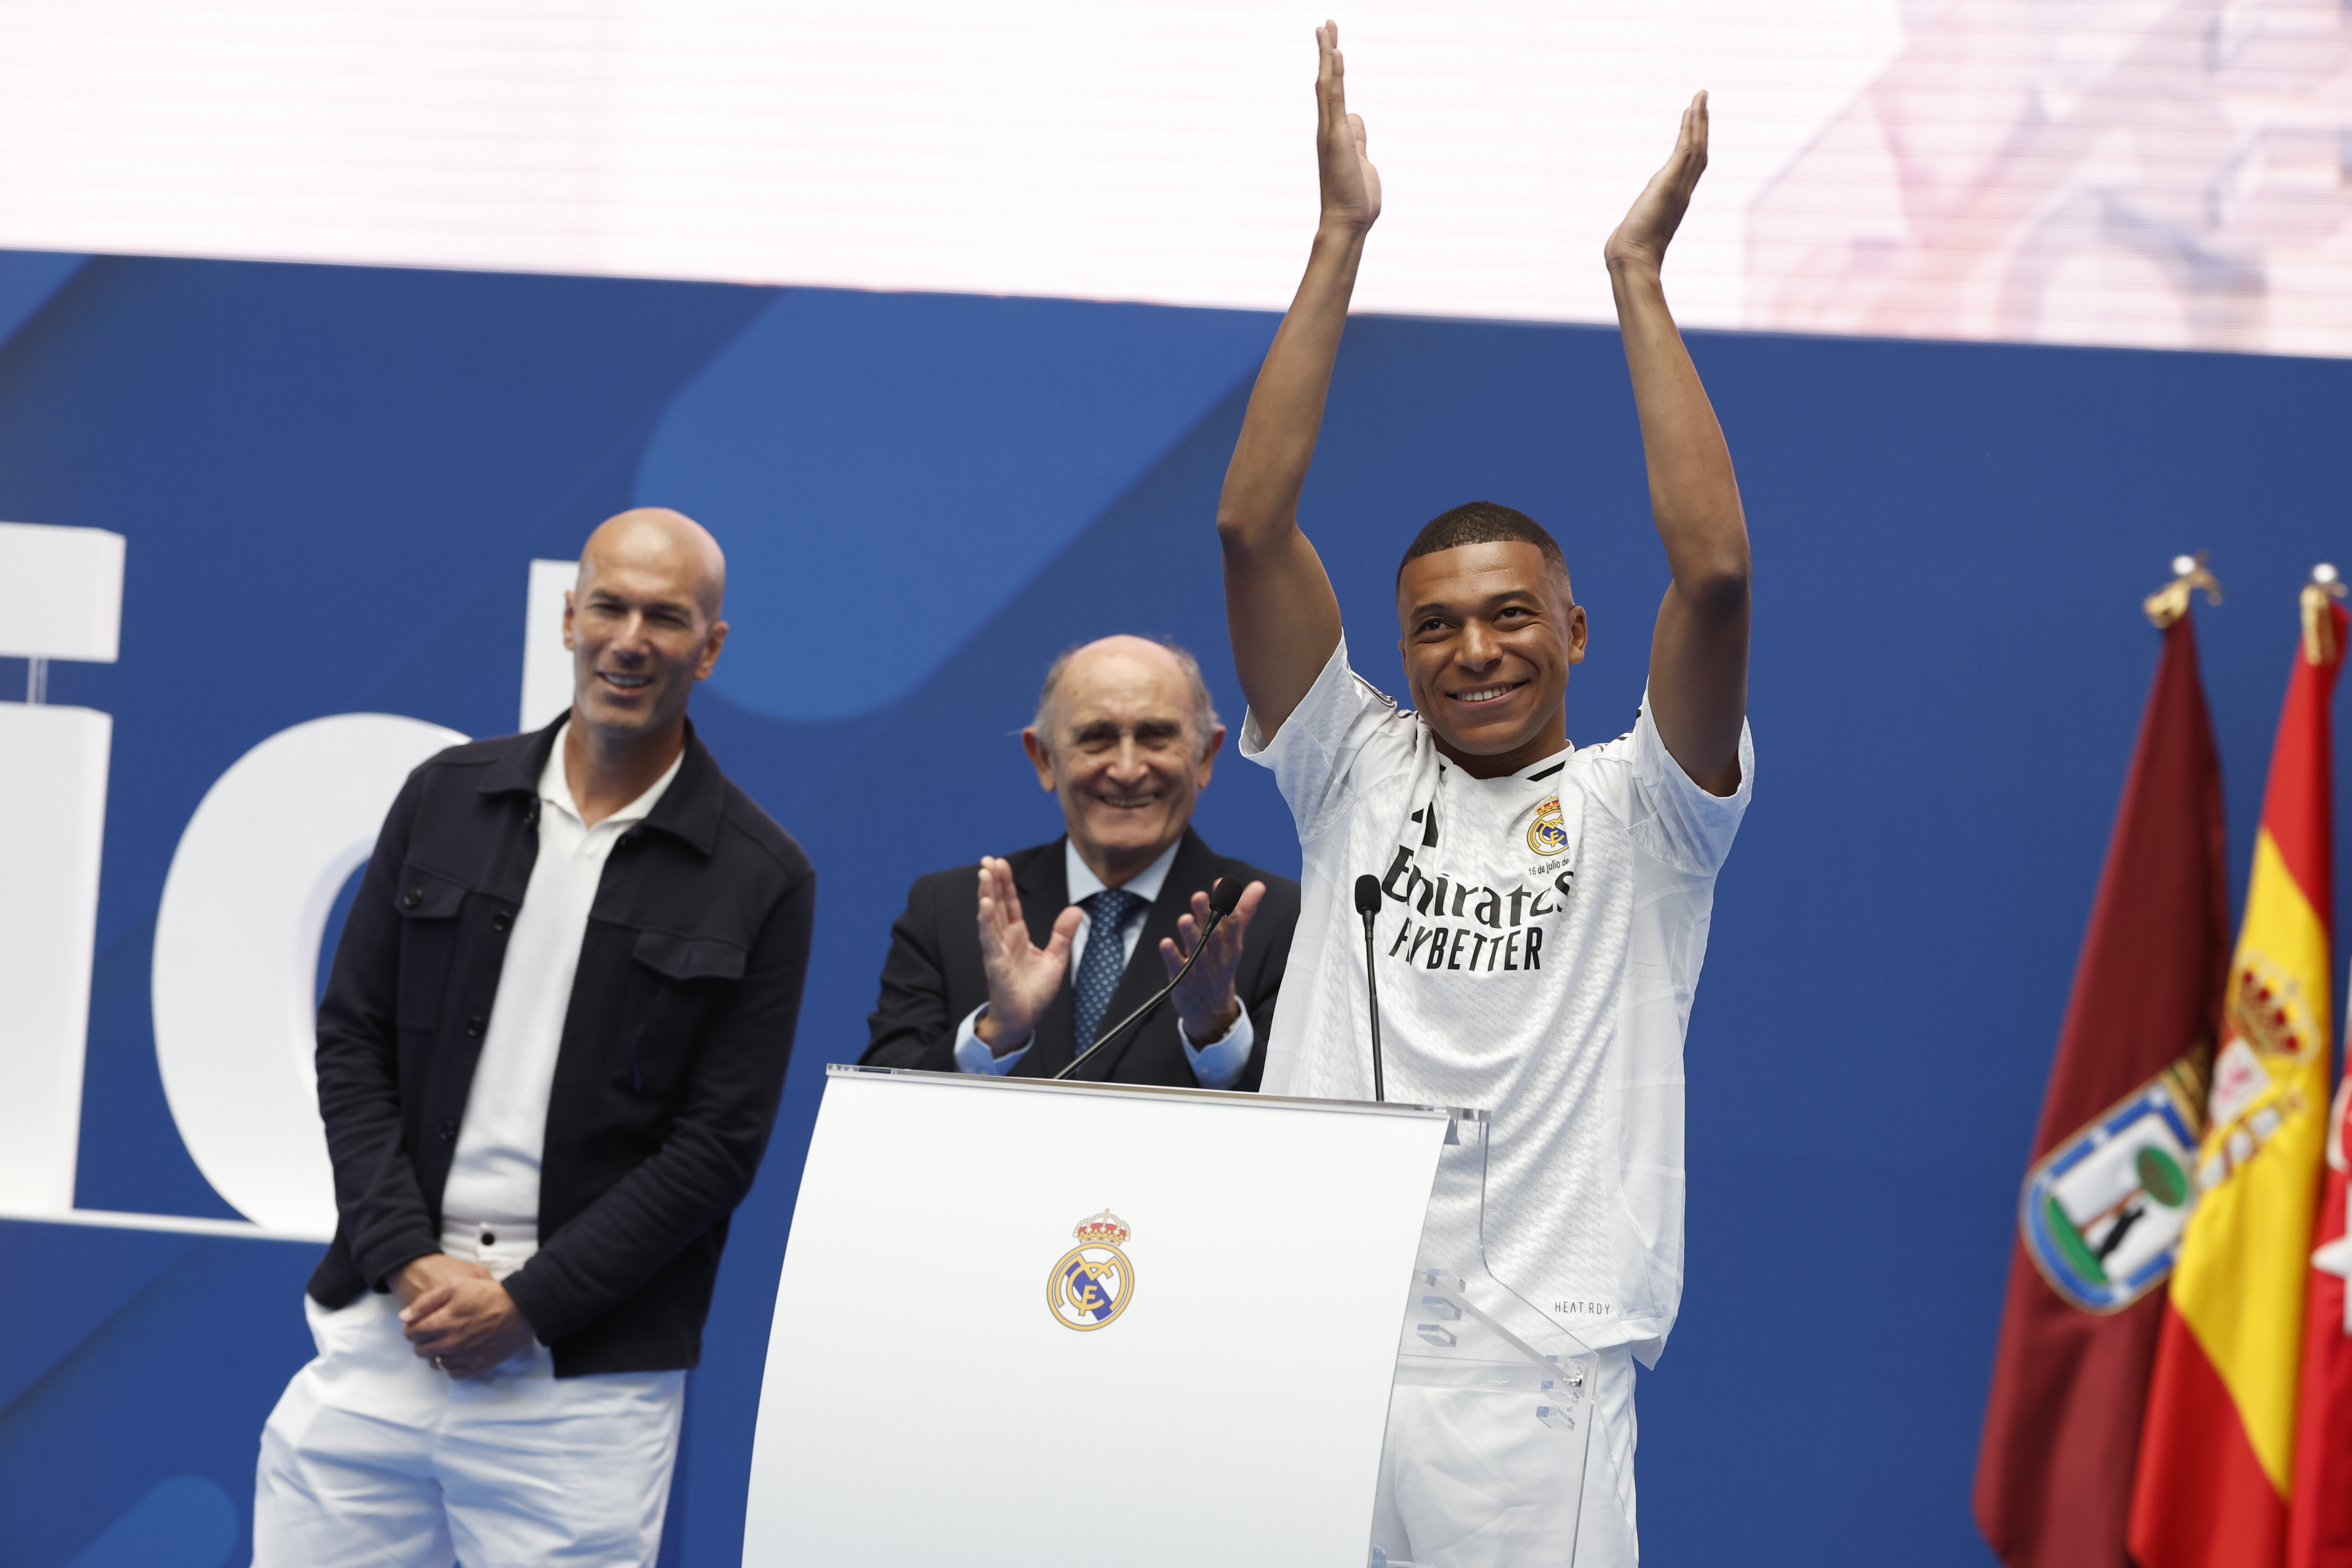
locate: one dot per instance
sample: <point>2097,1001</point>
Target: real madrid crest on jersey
<point>2101,1214</point>
<point>1094,1282</point>
<point>1547,835</point>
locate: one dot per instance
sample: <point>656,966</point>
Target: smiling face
<point>642,624</point>
<point>1124,754</point>
<point>1489,632</point>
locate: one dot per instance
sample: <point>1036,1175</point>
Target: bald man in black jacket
<point>550,1057</point>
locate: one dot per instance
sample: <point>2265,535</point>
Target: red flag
<point>2102,1203</point>
<point>2319,1513</point>
<point>2319,1509</point>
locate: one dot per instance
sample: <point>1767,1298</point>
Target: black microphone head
<point>1368,894</point>
<point>1225,895</point>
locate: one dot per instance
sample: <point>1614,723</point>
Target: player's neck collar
<point>1536,772</point>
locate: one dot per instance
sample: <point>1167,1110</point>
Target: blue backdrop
<point>332,479</point>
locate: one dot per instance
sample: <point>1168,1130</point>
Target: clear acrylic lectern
<point>1019,1319</point>
<point>1483,1463</point>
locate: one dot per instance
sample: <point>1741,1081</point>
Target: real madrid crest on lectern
<point>1093,1282</point>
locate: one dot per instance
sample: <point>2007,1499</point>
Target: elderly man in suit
<point>1014,966</point>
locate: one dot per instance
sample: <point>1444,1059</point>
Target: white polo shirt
<point>494,1174</point>
<point>1539,948</point>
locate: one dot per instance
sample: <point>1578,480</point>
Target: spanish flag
<point>2216,1443</point>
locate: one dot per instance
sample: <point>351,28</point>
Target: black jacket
<point>672,1061</point>
<point>933,977</point>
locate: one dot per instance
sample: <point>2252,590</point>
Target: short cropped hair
<point>1204,709</point>
<point>1482,522</point>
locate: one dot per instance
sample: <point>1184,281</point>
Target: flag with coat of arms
<point>2217,1460</point>
<point>2102,1206</point>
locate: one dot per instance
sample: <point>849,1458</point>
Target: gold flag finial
<point>2169,602</point>
<point>2318,625</point>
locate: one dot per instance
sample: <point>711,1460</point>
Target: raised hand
<point>1279,608</point>
<point>1352,186</point>
<point>1206,1004</point>
<point>1698,652</point>
<point>1023,978</point>
<point>1641,240</point>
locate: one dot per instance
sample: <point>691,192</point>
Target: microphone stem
<point>1199,947</point>
<point>1372,991</point>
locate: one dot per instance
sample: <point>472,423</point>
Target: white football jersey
<point>1538,947</point>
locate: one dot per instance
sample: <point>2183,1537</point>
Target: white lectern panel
<point>925,1403</point>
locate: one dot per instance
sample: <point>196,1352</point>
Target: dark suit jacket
<point>671,1064</point>
<point>933,977</point>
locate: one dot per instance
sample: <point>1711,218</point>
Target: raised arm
<point>1698,653</point>
<point>1279,608</point>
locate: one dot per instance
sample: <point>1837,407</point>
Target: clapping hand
<point>1206,1004</point>
<point>1642,239</point>
<point>1023,978</point>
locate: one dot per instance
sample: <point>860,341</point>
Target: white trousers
<point>1473,1480</point>
<point>373,1457</point>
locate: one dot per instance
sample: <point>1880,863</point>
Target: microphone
<point>1367,904</point>
<point>1222,900</point>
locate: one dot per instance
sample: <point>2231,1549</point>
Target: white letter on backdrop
<point>546,662</point>
<point>236,953</point>
<point>60,597</point>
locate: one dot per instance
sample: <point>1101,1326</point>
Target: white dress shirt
<point>1217,1065</point>
<point>494,1174</point>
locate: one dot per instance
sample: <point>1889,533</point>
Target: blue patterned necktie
<point>1107,913</point>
